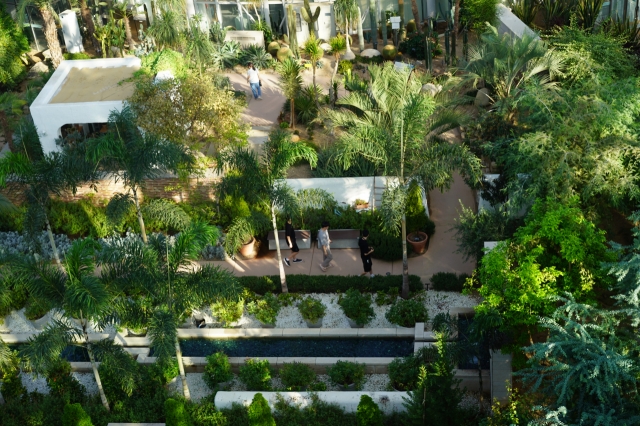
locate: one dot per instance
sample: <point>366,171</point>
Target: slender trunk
<point>405,262</point>
<point>480,380</point>
<point>127,31</point>
<point>88,22</point>
<point>346,30</point>
<point>94,367</point>
<point>293,114</point>
<point>51,35</point>
<point>143,231</point>
<point>52,241</point>
<point>335,70</point>
<point>8,134</point>
<point>185,387</point>
<point>360,33</point>
<point>313,65</point>
<point>258,15</point>
<point>416,15</point>
<point>283,277</point>
<point>373,8</point>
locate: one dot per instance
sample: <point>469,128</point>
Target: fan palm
<point>10,108</point>
<point>165,285</point>
<point>291,80</point>
<point>314,52</point>
<point>397,127</point>
<point>134,157</point>
<point>262,179</point>
<point>38,176</point>
<point>81,299</point>
<point>45,8</point>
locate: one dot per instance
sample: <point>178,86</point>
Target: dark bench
<point>303,239</point>
<point>343,238</point>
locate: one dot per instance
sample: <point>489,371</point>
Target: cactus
<point>389,52</point>
<point>411,26</point>
<point>293,34</point>
<point>360,35</point>
<point>283,53</point>
<point>273,48</point>
<point>285,39</point>
<point>374,22</point>
<point>310,18</point>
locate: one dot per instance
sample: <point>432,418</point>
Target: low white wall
<point>348,401</point>
<point>509,23</point>
<point>246,38</point>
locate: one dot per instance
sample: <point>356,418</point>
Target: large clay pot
<point>247,250</point>
<point>418,246</point>
<point>317,324</point>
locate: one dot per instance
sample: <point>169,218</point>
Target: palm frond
<point>119,206</point>
<point>119,362</point>
<point>43,349</point>
<point>167,212</point>
<point>163,332</point>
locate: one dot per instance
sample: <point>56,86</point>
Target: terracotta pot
<point>317,324</point>
<point>418,246</point>
<point>353,324</point>
<point>247,250</point>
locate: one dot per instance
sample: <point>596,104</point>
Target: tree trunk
<point>127,31</point>
<point>373,12</point>
<point>456,19</point>
<point>360,33</point>
<point>405,262</point>
<point>52,241</point>
<point>185,387</point>
<point>51,34</point>
<point>416,15</point>
<point>94,367</point>
<point>88,22</point>
<point>314,85</point>
<point>8,134</point>
<point>143,231</point>
<point>283,277</point>
<point>346,30</point>
<point>293,114</point>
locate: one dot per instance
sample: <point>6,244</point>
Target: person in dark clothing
<point>290,235</point>
<point>365,253</point>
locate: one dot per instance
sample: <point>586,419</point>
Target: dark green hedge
<point>328,283</point>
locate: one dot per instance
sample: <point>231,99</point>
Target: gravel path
<point>17,322</point>
<point>35,383</point>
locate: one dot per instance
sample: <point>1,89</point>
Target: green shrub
<point>476,13</point>
<point>346,373</point>
<point>13,44</point>
<point>368,413</point>
<point>414,46</point>
<point>217,370</point>
<point>75,56</point>
<point>406,313</point>
<point>205,414</point>
<point>79,219</point>
<point>328,284</point>
<point>357,306</point>
<point>176,414</point>
<point>12,387</point>
<point>344,67</point>
<point>74,415</point>
<point>403,373</point>
<point>36,308</point>
<point>237,415</point>
<point>297,376</point>
<point>448,281</point>
<point>62,383</point>
<point>169,369</point>
<point>387,247</point>
<point>164,60</point>
<point>311,309</point>
<point>256,375</point>
<point>259,412</point>
<point>227,311</point>
<point>265,309</point>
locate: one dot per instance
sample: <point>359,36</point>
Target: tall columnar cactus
<point>360,34</point>
<point>293,34</point>
<point>373,11</point>
<point>310,18</point>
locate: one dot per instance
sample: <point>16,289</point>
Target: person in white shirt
<point>254,81</point>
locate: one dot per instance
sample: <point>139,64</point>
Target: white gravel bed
<point>199,389</point>
<point>17,322</point>
<point>36,383</point>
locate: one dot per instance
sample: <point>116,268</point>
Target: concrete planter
<point>353,324</point>
<point>267,325</point>
<point>317,324</point>
<point>350,388</point>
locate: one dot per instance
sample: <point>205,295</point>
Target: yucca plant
<point>166,29</point>
<point>526,10</point>
<point>314,52</point>
<point>199,48</point>
<point>338,48</point>
<point>588,12</point>
<point>291,82</point>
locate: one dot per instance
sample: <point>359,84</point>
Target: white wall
<point>344,190</point>
<point>348,401</point>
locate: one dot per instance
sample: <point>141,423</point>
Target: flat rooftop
<point>95,85</point>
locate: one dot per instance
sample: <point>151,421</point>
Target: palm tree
<point>262,179</point>
<point>85,12</point>
<point>313,50</point>
<point>291,81</point>
<point>346,13</point>
<point>134,157</point>
<point>45,7</point>
<point>81,299</point>
<point>338,47</point>
<point>199,47</point>
<point>166,29</point>
<point>124,13</point>
<point>398,128</point>
<point>10,108</point>
<point>38,176</point>
<point>166,284</point>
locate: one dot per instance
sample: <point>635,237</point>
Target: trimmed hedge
<point>74,415</point>
<point>176,414</point>
<point>328,283</point>
<point>448,281</point>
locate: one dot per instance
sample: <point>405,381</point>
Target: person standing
<point>253,78</point>
<point>365,253</point>
<point>290,235</point>
<point>325,242</point>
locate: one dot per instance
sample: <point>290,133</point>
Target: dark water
<point>70,353</point>
<point>475,353</point>
<point>299,347</point>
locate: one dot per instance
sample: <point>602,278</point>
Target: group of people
<point>325,243</point>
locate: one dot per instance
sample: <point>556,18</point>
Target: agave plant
<point>257,55</point>
<point>226,55</point>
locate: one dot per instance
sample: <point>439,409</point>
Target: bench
<point>343,238</point>
<point>303,239</point>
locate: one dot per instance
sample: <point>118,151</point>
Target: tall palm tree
<point>166,29</point>
<point>291,80</point>
<point>45,7</point>
<point>81,299</point>
<point>314,52</point>
<point>134,157</point>
<point>160,284</point>
<point>346,13</point>
<point>10,108</point>
<point>262,179</point>
<point>398,128</point>
<point>123,11</point>
<point>39,176</point>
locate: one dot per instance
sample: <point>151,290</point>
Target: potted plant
<point>227,311</point>
<point>418,241</point>
<point>240,236</point>
<point>312,311</point>
<point>256,375</point>
<point>265,310</point>
<point>403,373</point>
<point>297,376</point>
<point>406,313</point>
<point>357,307</point>
<point>217,372</point>
<point>361,204</point>
<point>347,375</point>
